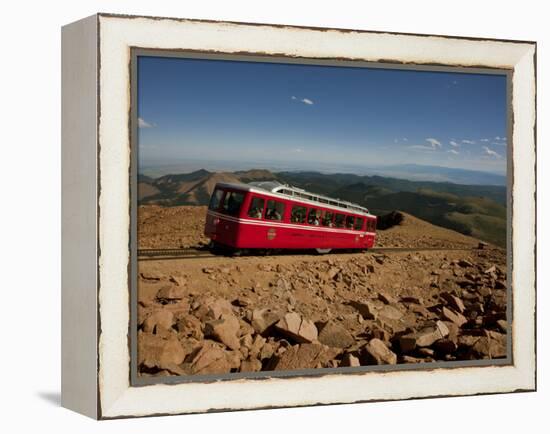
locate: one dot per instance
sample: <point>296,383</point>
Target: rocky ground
<point>245,314</point>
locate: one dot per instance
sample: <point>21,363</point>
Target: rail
<point>193,253</point>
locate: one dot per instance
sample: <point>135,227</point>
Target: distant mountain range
<point>418,172</point>
<point>477,210</point>
<point>412,172</point>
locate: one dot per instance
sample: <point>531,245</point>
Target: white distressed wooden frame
<point>96,217</point>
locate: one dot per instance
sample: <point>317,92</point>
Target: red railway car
<point>270,215</point>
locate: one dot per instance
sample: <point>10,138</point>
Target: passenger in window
<point>255,213</point>
<point>256,208</point>
<point>272,214</point>
<point>327,220</point>
<point>274,210</point>
<point>298,215</point>
<point>313,217</point>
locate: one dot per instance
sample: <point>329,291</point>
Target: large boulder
<point>455,317</point>
<point>335,335</point>
<point>367,309</point>
<point>424,337</point>
<point>189,326</point>
<point>263,319</point>
<point>159,320</point>
<point>157,352</point>
<point>225,330</point>
<point>298,329</point>
<point>170,294</point>
<point>210,358</point>
<point>305,356</point>
<point>378,353</point>
<point>454,302</point>
<point>220,307</point>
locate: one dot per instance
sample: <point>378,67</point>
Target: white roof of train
<point>287,191</point>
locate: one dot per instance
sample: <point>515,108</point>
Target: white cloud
<point>405,139</point>
<point>455,144</point>
<point>297,150</point>
<point>453,151</point>
<point>499,144</point>
<point>468,142</point>
<point>500,138</point>
<point>422,147</point>
<point>491,153</point>
<point>435,143</point>
<point>484,140</point>
<point>143,124</point>
<point>306,101</point>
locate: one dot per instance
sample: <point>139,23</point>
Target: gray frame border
<point>135,380</point>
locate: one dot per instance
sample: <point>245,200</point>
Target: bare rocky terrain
<point>220,314</point>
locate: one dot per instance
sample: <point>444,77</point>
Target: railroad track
<point>192,253</point>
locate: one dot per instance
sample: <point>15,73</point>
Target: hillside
<point>477,210</point>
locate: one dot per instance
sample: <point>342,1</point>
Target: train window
<point>274,210</point>
<point>358,224</point>
<point>371,225</point>
<point>256,208</point>
<point>349,222</point>
<point>326,219</point>
<point>339,220</point>
<point>232,202</point>
<point>314,216</point>
<point>298,214</point>
<point>215,199</point>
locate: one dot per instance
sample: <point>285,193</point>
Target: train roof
<point>290,192</point>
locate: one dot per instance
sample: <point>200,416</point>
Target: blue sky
<point>270,113</point>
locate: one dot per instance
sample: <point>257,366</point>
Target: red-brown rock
<point>224,330</point>
<point>378,353</point>
<point>263,319</point>
<point>305,356</point>
<point>333,334</point>
<point>158,352</point>
<point>453,316</point>
<point>298,329</point>
<point>159,319</point>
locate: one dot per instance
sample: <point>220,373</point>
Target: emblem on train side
<point>271,233</point>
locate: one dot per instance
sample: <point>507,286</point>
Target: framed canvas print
<point>260,216</point>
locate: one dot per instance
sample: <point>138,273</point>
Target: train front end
<point>222,217</point>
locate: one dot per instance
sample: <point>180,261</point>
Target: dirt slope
<point>414,232</point>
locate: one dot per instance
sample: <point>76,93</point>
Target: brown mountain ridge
<point>478,211</point>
